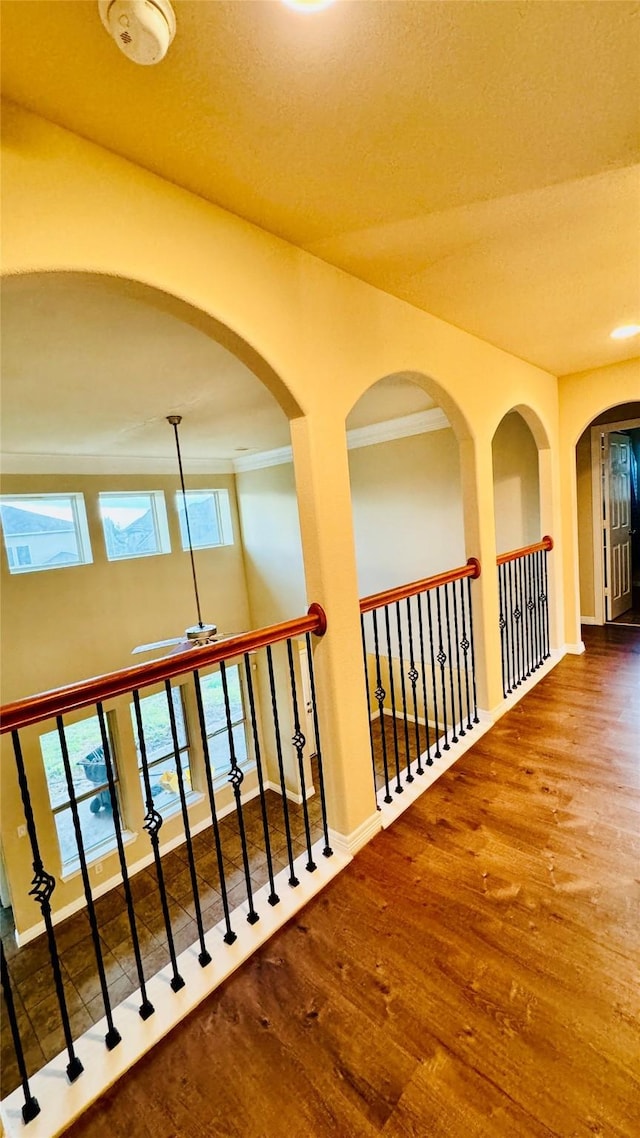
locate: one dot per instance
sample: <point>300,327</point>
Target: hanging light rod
<point>199,631</point>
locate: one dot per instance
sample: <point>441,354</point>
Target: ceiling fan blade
<point>157,644</point>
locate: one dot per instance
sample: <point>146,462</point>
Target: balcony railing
<point>419,661</point>
<point>239,812</point>
<point>523,586</point>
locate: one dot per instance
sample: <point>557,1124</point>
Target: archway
<point>516,483</point>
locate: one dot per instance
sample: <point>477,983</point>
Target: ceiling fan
<point>200,634</point>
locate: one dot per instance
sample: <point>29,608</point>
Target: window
<point>91,789</point>
<point>135,524</point>
<point>209,518</point>
<point>161,757</point>
<point>44,531</point>
<point>216,719</point>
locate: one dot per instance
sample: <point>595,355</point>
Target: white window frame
<point>80,528</point>
<point>160,524</point>
<point>221,777</point>
<point>222,508</point>
<point>192,794</point>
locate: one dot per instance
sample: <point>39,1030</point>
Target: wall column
<point>326,526</point>
<point>476,465</point>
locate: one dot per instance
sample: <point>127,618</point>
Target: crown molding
<point>108,464</point>
<point>420,423</point>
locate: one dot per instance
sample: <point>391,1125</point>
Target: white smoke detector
<point>142,29</point>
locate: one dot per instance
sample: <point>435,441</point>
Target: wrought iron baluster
<point>442,659</point>
<point>152,824</point>
<point>437,751</point>
<point>293,880</point>
<point>503,628</point>
<point>327,851</point>
<point>204,956</point>
<point>413,679</point>
<point>525,666</point>
<point>299,742</point>
<point>273,897</point>
<point>461,730</point>
<point>454,737</point>
<point>146,1008</point>
<point>399,789</point>
<point>229,936</point>
<point>424,679</point>
<point>536,607</point>
<point>473,654</point>
<point>545,604</point>
<point>465,645</point>
<point>380,695</point>
<point>512,608</point>
<point>43,887</point>
<point>404,692</point>
<point>366,684</point>
<point>31,1107</point>
<point>530,606</point>
<point>236,778</point>
<point>112,1037</point>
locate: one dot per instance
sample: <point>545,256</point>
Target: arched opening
<point>607,457</point>
<point>516,484</point>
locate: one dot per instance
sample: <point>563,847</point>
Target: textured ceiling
<point>59,399</point>
<point>476,159</point>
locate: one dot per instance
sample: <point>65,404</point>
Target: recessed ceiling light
<point>625,332</point>
<point>308,5</point>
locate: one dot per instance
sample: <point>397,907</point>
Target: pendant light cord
<point>174,420</point>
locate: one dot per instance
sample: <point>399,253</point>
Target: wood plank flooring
<point>474,972</point>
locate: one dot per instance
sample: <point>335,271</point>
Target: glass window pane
<point>86,759</point>
<point>203,519</point>
<point>213,699</point>
<point>219,751</point>
<point>97,827</point>
<point>164,783</point>
<point>41,532</point>
<point>129,523</point>
<point>156,724</point>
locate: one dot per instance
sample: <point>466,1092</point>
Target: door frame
<point>597,507</point>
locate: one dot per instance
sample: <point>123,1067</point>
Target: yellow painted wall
<point>318,338</point>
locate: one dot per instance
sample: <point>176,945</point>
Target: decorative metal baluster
<point>536,612</point>
<point>434,684</point>
<point>43,887</point>
<point>398,788</point>
<point>526,671</point>
<point>473,654</point>
<point>229,936</point>
<point>380,695</point>
<point>530,606</point>
<point>503,627</point>
<point>146,1008</point>
<point>112,1037</point>
<point>514,681</point>
<point>442,659</point>
<point>454,737</point>
<point>366,684</point>
<point>465,644</point>
<point>236,778</point>
<point>518,616</point>
<point>204,956</point>
<point>31,1106</point>
<point>293,880</point>
<point>273,897</point>
<point>299,742</point>
<point>424,680</point>
<point>461,730</point>
<point>545,604</point>
<point>413,679</point>
<point>152,824</point>
<point>327,851</point>
<point>404,693</point>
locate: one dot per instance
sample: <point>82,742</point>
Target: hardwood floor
<point>472,973</point>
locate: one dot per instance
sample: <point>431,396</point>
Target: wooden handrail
<point>34,709</point>
<point>390,596</point>
<point>546,543</point>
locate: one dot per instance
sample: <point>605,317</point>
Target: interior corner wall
<point>516,485</point>
<point>585,524</point>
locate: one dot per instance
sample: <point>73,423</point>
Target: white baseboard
<point>575,649</point>
<point>589,620</point>
<point>347,845</point>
